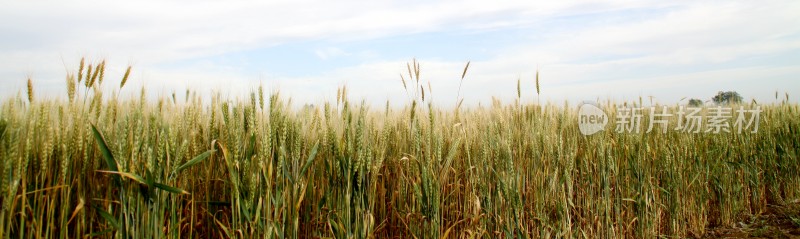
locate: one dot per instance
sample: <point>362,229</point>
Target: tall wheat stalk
<point>241,167</point>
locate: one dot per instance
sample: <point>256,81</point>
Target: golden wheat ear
<point>30,90</point>
<point>125,77</point>
<point>80,70</point>
<point>537,81</point>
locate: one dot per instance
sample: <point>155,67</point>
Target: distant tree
<point>727,97</point>
<point>695,102</point>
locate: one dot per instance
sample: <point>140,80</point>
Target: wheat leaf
<point>192,162</point>
<point>106,152</point>
<point>169,188</point>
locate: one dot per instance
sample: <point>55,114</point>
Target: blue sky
<point>584,50</point>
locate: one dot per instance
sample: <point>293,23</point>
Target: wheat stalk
<point>141,168</point>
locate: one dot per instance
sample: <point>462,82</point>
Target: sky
<point>667,51</point>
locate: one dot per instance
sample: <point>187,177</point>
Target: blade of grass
<point>192,162</point>
<point>170,188</point>
<point>311,157</point>
<point>135,177</point>
<point>106,152</point>
<point>111,220</point>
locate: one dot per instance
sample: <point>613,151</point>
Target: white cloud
<point>574,61</point>
<point>330,52</point>
<point>167,31</point>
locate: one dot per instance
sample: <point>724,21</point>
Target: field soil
<point>778,221</point>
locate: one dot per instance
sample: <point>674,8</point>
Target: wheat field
<point>93,164</point>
